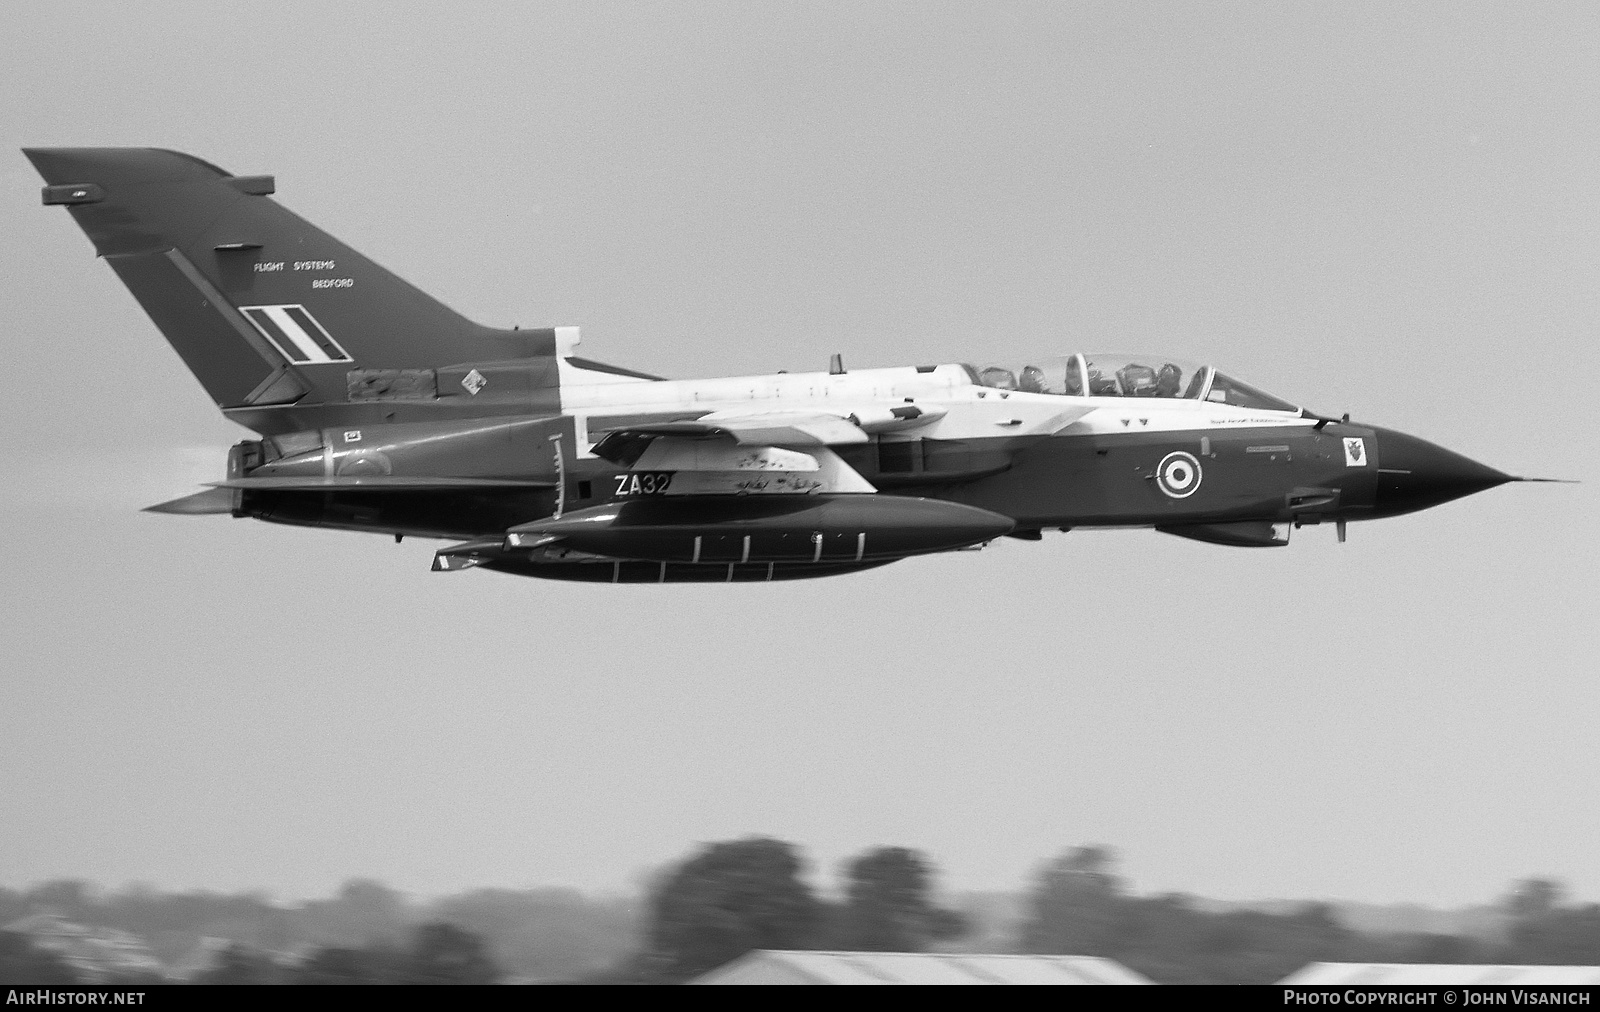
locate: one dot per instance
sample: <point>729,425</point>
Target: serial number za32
<point>643,483</point>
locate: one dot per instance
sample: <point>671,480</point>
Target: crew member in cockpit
<point>1168,380</point>
<point>1074,382</point>
<point>1101,385</point>
<point>998,378</point>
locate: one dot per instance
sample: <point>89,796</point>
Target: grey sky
<point>1377,208</point>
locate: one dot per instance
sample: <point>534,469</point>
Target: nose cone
<point>1414,474</point>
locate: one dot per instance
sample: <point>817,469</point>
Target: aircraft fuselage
<point>1045,461</point>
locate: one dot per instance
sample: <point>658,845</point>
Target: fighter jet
<point>381,410</point>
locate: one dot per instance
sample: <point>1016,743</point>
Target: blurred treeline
<point>744,894</point>
<point>541,934</point>
<point>730,897</point>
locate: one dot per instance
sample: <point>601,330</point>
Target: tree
<point>21,962</point>
<point>730,898</point>
<point>888,908</point>
<point>1543,931</point>
<point>1076,905</point>
<point>336,965</point>
<point>1533,898</point>
<point>546,934</point>
<point>445,954</point>
<point>71,898</point>
<point>1255,947</point>
<point>1430,947</point>
<point>241,964</point>
<point>363,914</point>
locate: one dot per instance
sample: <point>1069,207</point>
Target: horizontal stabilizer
<point>372,483</point>
<point>210,501</point>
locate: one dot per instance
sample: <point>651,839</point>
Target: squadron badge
<point>1355,453</point>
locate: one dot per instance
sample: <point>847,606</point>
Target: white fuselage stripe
<point>966,410</point>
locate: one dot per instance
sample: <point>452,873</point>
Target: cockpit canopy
<point>1124,376</point>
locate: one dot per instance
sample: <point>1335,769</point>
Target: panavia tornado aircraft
<point>381,410</point>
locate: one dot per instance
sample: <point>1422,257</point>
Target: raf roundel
<point>1178,474</point>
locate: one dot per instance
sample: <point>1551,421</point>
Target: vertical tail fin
<point>264,307</point>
